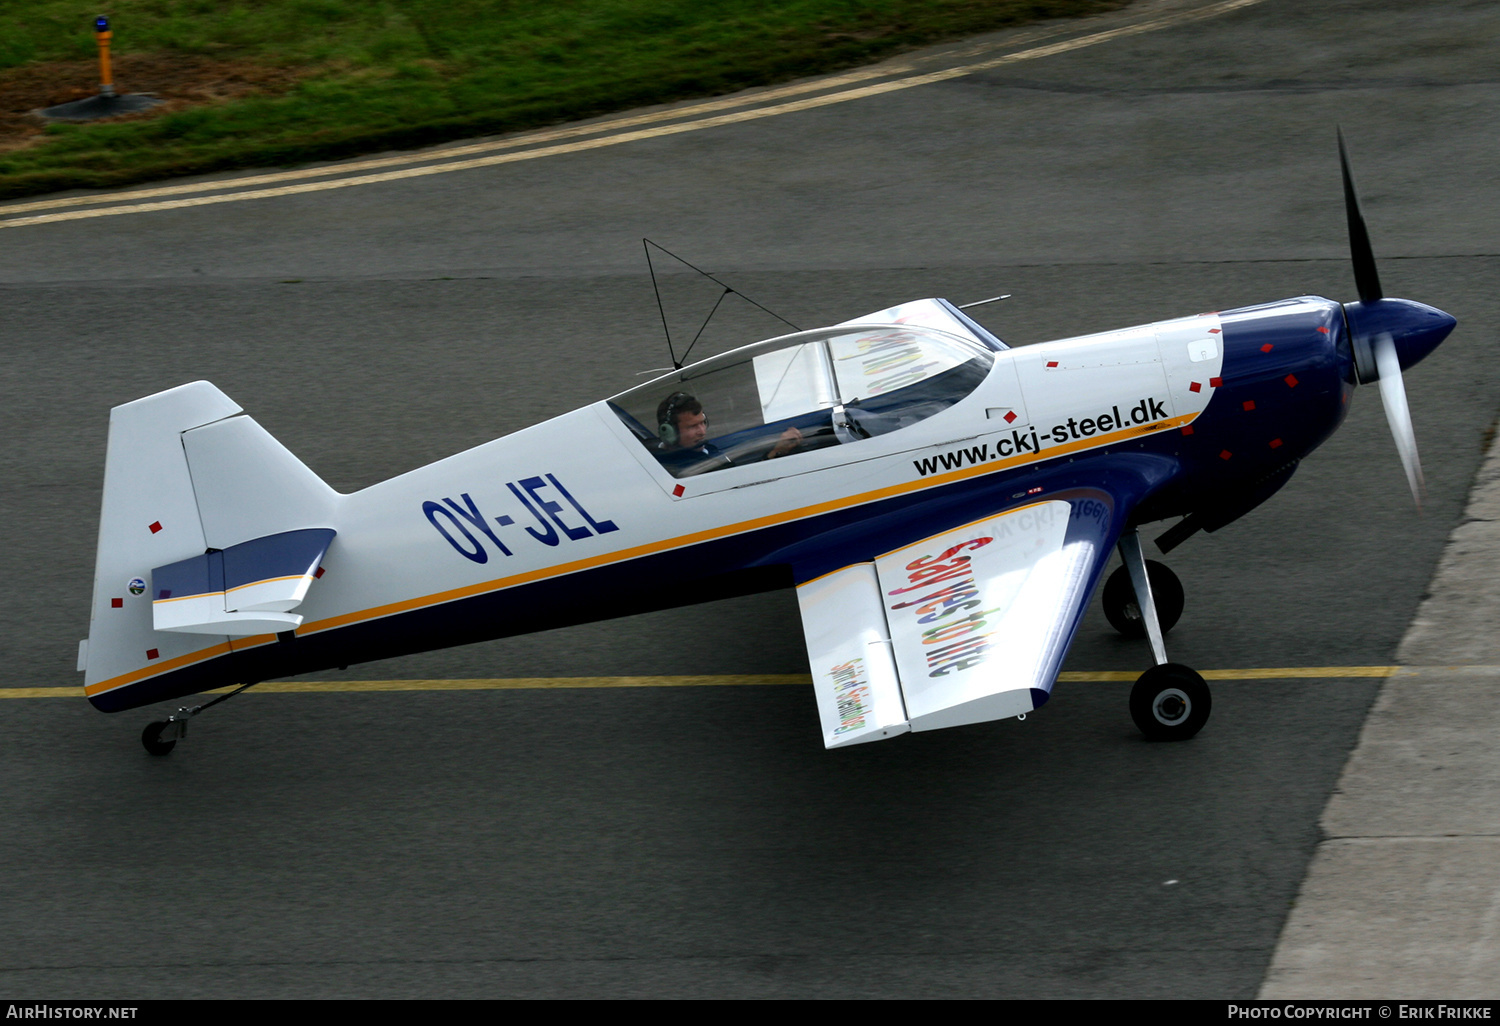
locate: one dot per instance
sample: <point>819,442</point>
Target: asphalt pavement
<point>699,841</point>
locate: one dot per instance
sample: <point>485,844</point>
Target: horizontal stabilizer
<point>854,676</point>
<point>249,588</point>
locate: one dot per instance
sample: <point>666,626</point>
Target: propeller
<point>1366,280</point>
<point>1398,414</point>
<point>1375,351</point>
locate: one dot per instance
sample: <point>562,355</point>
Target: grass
<point>321,79</point>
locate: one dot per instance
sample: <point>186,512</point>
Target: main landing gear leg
<point>1169,702</point>
<point>161,737</point>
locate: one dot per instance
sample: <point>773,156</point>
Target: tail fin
<point>183,475</point>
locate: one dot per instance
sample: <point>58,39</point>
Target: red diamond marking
<point>1276,443</point>
<point>1214,331</point>
<point>1215,382</point>
<point>1051,363</point>
<point>318,574</point>
<point>152,653</point>
<point>1323,330</point>
<point>1195,387</point>
<point>1225,454</point>
<point>155,526</point>
<point>1187,429</point>
<point>1291,380</point>
<point>1249,404</point>
<point>1010,418</point>
<point>1267,348</point>
<point>116,603</point>
<point>678,491</point>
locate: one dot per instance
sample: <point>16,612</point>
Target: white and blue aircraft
<point>943,504</point>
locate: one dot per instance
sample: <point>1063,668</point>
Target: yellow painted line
<point>290,687</point>
<point>527,683</point>
<point>746,99</point>
<point>1268,673</point>
<point>470,149</point>
<point>618,138</point>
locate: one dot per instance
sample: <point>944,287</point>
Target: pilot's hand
<point>790,441</point>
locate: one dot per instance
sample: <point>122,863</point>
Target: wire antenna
<point>648,245</point>
<point>982,302</point>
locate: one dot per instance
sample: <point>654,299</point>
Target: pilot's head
<point>681,422</point>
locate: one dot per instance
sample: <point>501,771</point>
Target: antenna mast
<point>647,245</point>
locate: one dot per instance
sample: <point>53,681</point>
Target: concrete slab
<point>1402,898</point>
<point>1459,622</point>
<point>1394,918</point>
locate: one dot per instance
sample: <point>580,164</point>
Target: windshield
<point>792,395</point>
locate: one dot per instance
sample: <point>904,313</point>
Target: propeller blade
<point>1366,280</point>
<point>1398,414</point>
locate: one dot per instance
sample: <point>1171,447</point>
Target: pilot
<point>682,427</point>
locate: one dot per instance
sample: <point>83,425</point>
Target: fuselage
<point>578,518</point>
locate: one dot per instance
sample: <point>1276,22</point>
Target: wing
<point>967,625</point>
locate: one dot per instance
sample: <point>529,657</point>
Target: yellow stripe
<point>237,587</point>
<point>624,555</point>
<point>175,663</point>
<point>288,687</point>
<point>743,527</point>
<point>268,580</point>
<point>1270,673</point>
<point>1051,49</point>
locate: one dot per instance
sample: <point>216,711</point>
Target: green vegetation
<point>318,79</point>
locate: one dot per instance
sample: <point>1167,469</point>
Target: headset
<point>667,429</point>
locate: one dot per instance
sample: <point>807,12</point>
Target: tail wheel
<point>151,738</point>
<point>1124,612</point>
<point>1170,702</point>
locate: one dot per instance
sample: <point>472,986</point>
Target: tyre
<point>1124,612</point>
<point>151,738</point>
<point>1170,702</point>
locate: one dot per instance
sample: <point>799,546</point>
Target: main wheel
<point>1170,702</point>
<point>1124,611</point>
<point>151,738</point>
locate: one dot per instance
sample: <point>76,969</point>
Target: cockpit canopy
<point>801,392</point>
